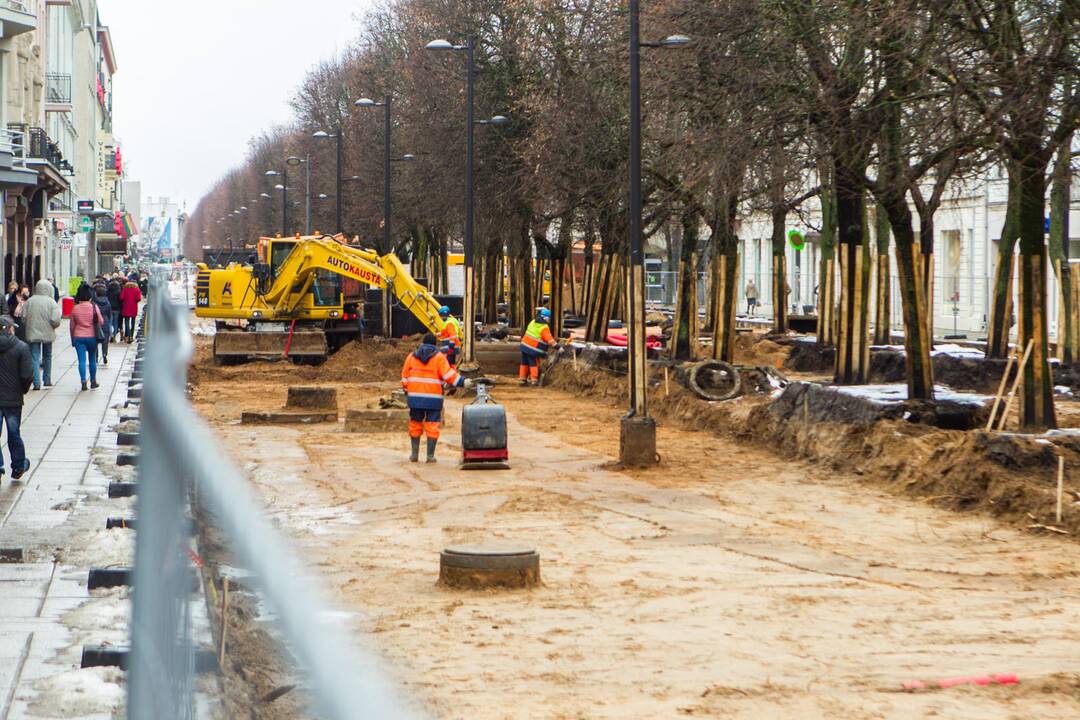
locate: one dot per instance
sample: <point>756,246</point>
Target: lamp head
<point>320,134</point>
<point>439,45</point>
<point>293,160</point>
<point>366,102</point>
<point>499,120</point>
<point>675,41</point>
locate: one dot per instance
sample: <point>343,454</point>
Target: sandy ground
<point>726,584</point>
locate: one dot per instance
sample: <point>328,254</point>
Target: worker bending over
<point>450,338</point>
<point>425,371</point>
<point>534,347</point>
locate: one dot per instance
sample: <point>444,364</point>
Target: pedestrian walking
<point>86,322</point>
<point>130,297</point>
<point>423,375</point>
<point>16,376</point>
<point>55,287</point>
<point>41,317</point>
<point>103,306</point>
<point>112,291</point>
<point>10,296</point>
<point>751,298</point>
<point>535,344</point>
<point>21,298</point>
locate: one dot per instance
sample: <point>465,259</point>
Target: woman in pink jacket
<point>86,321</point>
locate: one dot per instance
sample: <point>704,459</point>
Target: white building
<point>966,228</point>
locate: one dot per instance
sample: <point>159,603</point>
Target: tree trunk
<point>919,370</point>
<point>853,348</point>
<point>605,288</point>
<point>926,256</point>
<point>883,286</point>
<point>1037,391</point>
<point>779,270</point>
<point>1001,306</point>
<point>826,300</point>
<point>1069,314</point>
<point>684,336</point>
<point>725,281</point>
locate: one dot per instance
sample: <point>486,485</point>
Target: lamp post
<point>469,312</point>
<point>322,135</point>
<point>388,160</point>
<point>637,432</point>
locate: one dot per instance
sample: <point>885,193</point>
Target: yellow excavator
<point>289,300</point>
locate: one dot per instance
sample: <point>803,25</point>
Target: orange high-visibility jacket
<point>537,339</point>
<point>423,376</point>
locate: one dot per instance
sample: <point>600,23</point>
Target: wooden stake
<point>573,354</point>
<point>667,386</point>
<point>1000,392</point>
<point>1061,486</point>
<point>1015,385</point>
<point>224,620</point>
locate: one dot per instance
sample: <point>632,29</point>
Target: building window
<point>951,253</point>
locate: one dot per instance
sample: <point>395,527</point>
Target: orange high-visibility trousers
<point>425,422</point>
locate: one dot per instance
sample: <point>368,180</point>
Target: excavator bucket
<point>307,345</point>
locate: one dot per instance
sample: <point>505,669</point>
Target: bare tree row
<point>863,110</point>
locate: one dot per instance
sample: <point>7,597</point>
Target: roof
<point>105,38</point>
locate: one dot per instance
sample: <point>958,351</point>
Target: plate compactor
<point>483,433</point>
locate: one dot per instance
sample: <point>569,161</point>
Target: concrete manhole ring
<point>489,565</point>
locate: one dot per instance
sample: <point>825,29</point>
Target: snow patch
<point>78,693</point>
<point>892,394</point>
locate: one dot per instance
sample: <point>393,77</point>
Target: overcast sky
<point>197,79</point>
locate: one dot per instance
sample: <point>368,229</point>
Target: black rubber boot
<point>431,443</point>
<point>414,456</point>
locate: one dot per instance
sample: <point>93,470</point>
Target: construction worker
<point>451,337</point>
<point>534,347</point>
<point>423,375</point>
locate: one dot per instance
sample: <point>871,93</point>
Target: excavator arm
<point>297,273</point>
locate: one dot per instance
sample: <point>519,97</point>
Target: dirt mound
<point>373,360</point>
<point>810,357</point>
<point>1009,476</point>
<point>959,373</point>
<point>751,349</point>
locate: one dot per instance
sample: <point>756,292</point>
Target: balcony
<point>18,16</point>
<point>58,88</point>
<point>33,149</point>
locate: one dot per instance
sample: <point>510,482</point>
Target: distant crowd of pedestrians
<point>104,312</point>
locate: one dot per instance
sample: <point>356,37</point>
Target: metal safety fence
<point>177,453</point>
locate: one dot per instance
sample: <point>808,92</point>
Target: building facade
<point>57,147</point>
<point>967,229</point>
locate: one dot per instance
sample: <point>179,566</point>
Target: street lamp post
<point>637,432</point>
<point>469,310</point>
<point>388,159</point>
<point>337,134</point>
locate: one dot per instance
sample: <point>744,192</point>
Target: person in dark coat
<point>105,309</point>
<point>16,377</point>
<point>112,291</point>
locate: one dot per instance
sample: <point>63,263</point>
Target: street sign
<point>86,224</point>
<point>797,239</point>
<point>85,206</point>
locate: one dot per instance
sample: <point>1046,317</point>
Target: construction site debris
<point>312,398</point>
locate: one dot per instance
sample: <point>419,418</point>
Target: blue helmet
<point>444,311</point>
<point>544,313</point>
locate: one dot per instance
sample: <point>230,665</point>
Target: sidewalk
<point>56,514</point>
